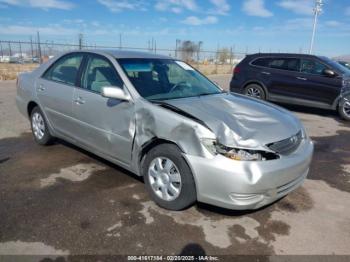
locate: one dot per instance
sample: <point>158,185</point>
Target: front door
<point>107,125</point>
<point>314,85</point>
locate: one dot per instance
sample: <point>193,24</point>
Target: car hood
<point>239,121</point>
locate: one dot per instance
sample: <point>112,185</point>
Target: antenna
<point>317,11</point>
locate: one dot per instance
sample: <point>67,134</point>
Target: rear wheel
<point>168,178</point>
<point>256,91</point>
<point>39,126</point>
<point>344,108</point>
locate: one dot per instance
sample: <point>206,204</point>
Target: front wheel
<point>168,178</point>
<point>344,108</point>
<point>39,126</point>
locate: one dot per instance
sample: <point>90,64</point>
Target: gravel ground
<point>61,200</point>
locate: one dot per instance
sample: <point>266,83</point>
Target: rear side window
<point>290,64</point>
<point>309,66</point>
<point>65,70</point>
<point>100,73</point>
<point>265,62</point>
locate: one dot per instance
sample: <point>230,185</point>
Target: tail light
<point>236,70</point>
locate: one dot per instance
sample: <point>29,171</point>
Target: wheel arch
<point>31,105</point>
<point>152,143</point>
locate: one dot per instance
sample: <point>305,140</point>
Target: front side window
<point>309,66</point>
<point>65,70</point>
<point>100,73</point>
<point>162,79</point>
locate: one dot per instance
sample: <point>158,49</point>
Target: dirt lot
<point>61,200</point>
<point>10,71</point>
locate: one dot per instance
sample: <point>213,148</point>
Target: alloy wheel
<point>38,125</point>
<point>254,92</point>
<point>346,108</point>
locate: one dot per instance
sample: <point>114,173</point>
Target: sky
<point>244,25</point>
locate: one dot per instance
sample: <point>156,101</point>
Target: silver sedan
<point>161,119</point>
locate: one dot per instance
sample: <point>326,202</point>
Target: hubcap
<point>38,125</point>
<point>164,178</point>
<point>346,108</point>
<point>254,92</point>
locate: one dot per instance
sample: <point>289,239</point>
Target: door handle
<point>40,88</point>
<point>79,101</point>
<point>266,73</point>
<point>302,78</point>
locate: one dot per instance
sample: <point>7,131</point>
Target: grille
<point>288,145</point>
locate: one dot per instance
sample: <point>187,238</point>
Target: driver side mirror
<point>115,92</point>
<point>329,73</point>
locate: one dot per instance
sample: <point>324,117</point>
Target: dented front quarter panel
<point>156,122</point>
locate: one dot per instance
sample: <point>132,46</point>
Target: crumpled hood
<point>239,121</point>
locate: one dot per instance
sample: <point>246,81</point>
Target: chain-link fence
<point>26,55</point>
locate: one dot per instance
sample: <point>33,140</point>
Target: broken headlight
<point>238,154</point>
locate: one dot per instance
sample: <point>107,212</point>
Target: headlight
<point>238,154</point>
<point>210,145</point>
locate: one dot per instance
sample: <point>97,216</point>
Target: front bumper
<point>249,185</point>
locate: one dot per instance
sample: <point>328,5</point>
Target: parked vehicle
<point>306,80</point>
<point>344,63</point>
<point>163,120</point>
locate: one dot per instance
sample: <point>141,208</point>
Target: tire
<point>40,128</point>
<point>256,91</point>
<point>175,174</point>
<point>344,109</point>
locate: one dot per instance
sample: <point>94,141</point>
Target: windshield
<point>163,79</point>
<point>337,66</point>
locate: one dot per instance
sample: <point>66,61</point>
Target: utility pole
<point>39,48</point>
<point>31,47</point>
<point>317,12</point>
<point>80,41</point>
<point>10,51</point>
<point>20,50</point>
<point>199,50</point>
<point>2,53</point>
<point>176,46</point>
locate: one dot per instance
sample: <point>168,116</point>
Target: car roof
<point>124,54</point>
<point>282,55</point>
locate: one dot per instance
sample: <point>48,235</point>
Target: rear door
<point>105,124</point>
<point>55,92</point>
<point>283,76</point>
<point>313,85</point>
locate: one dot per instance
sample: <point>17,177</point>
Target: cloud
<point>256,8</point>
<point>43,4</point>
<point>333,23</point>
<point>194,20</point>
<point>221,7</point>
<point>44,30</point>
<point>176,6</point>
<point>120,5</point>
<point>302,7</point>
<point>347,11</point>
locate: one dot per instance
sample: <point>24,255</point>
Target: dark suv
<point>306,80</point>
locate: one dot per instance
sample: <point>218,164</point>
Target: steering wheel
<point>176,86</point>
